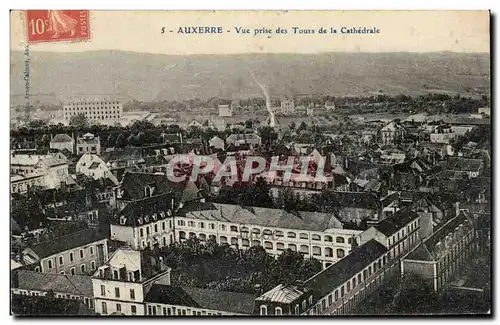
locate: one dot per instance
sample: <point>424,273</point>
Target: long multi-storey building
<point>339,288</point>
<point>149,222</point>
<point>438,259</point>
<point>102,111</point>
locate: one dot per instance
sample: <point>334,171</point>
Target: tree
<point>79,121</point>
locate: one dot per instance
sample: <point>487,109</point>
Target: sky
<point>400,31</point>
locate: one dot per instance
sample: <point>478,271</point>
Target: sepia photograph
<point>255,163</point>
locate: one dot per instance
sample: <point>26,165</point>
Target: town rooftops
<point>61,138</point>
<point>282,294</point>
<point>463,164</point>
<point>77,285</point>
<point>32,160</point>
<point>330,278</point>
<point>133,185</point>
<point>66,242</point>
<point>361,200</point>
<point>395,222</point>
<point>233,302</point>
<point>301,220</point>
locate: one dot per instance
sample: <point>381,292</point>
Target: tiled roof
<point>69,284</point>
<point>134,183</point>
<point>240,303</point>
<point>312,221</point>
<point>64,243</point>
<point>61,138</point>
<point>393,223</point>
<point>338,273</point>
<point>362,200</point>
<point>463,164</point>
<point>141,212</point>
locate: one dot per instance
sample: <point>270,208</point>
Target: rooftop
<point>338,273</point>
<point>239,303</point>
<point>395,222</point>
<point>312,221</point>
<point>68,284</point>
<point>64,243</point>
<point>61,138</point>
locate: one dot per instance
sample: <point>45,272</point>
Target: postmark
<point>57,25</point>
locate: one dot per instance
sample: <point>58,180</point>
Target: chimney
<point>457,208</point>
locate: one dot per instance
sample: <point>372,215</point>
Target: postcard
<point>250,163</point>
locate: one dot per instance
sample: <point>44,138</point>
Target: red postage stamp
<point>57,25</point>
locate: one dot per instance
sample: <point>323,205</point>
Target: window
<point>103,291</point>
<point>280,246</point>
<point>223,227</point>
<point>315,237</point>
<point>336,295</point>
<point>163,225</point>
<point>328,252</point>
<point>81,253</point>
<point>118,308</point>
<point>348,286</point>
<point>291,235</point>
<point>340,253</point>
<point>117,292</point>
<point>297,309</point>
<point>37,269</point>
<point>82,268</point>
<point>49,262</point>
<point>201,225</point>
<point>71,257</point>
<point>234,228</point>
<point>134,309</point>
<point>223,239</point>
<point>278,311</point>
<point>212,226</point>
<point>245,242</point>
<point>304,236</point>
<point>340,240</point>
<point>268,245</point>
<point>330,300</point>
<point>279,233</point>
<point>92,265</point>
<point>359,278</point>
<point>147,230</point>
<point>91,249</point>
<point>304,249</point>
<point>316,250</point>
<point>141,232</point>
<point>263,310</point>
<point>104,308</point>
<point>156,228</point>
<point>61,260</point>
<point>181,223</point>
<point>328,238</point>
<point>132,294</point>
<point>164,311</point>
<point>191,224</point>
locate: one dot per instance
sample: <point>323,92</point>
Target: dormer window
<point>115,275</point>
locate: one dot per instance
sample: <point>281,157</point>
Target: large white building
<point>149,222</point>
<point>98,111</point>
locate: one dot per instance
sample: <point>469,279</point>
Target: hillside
<point>56,77</point>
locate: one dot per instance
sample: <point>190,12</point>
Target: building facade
<point>88,143</point>
<point>72,254</point>
<point>100,111</point>
<point>439,258</point>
